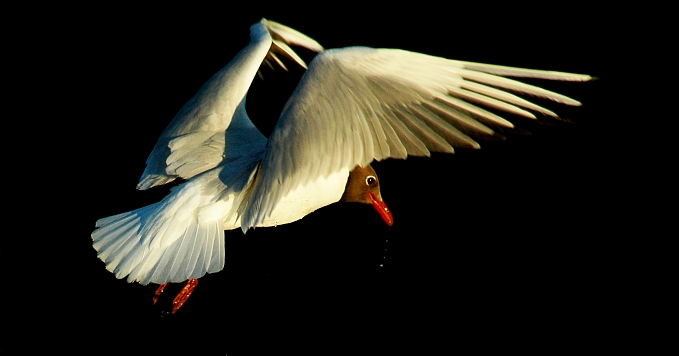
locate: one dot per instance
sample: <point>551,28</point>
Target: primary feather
<point>357,104</point>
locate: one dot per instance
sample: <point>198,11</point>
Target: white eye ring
<point>369,180</point>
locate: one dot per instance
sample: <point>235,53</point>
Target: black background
<point>510,247</point>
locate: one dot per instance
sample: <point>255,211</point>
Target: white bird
<point>352,106</point>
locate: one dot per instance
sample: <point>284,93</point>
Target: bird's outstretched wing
<point>355,105</point>
<point>195,140</point>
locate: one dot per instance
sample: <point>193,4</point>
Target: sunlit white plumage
<point>352,106</point>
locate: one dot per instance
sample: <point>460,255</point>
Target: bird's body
<point>352,106</point>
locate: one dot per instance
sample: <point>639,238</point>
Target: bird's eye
<point>370,180</point>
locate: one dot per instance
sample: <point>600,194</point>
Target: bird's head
<point>363,186</point>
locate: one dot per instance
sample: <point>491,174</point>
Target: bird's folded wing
<point>195,139</point>
<point>358,104</point>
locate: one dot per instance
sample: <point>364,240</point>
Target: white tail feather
<point>158,243</point>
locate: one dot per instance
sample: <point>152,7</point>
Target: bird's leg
<point>184,295</point>
<point>181,297</point>
<point>159,291</point>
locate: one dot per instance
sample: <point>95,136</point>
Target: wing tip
<point>153,180</point>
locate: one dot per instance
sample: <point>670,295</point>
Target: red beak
<point>381,208</point>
